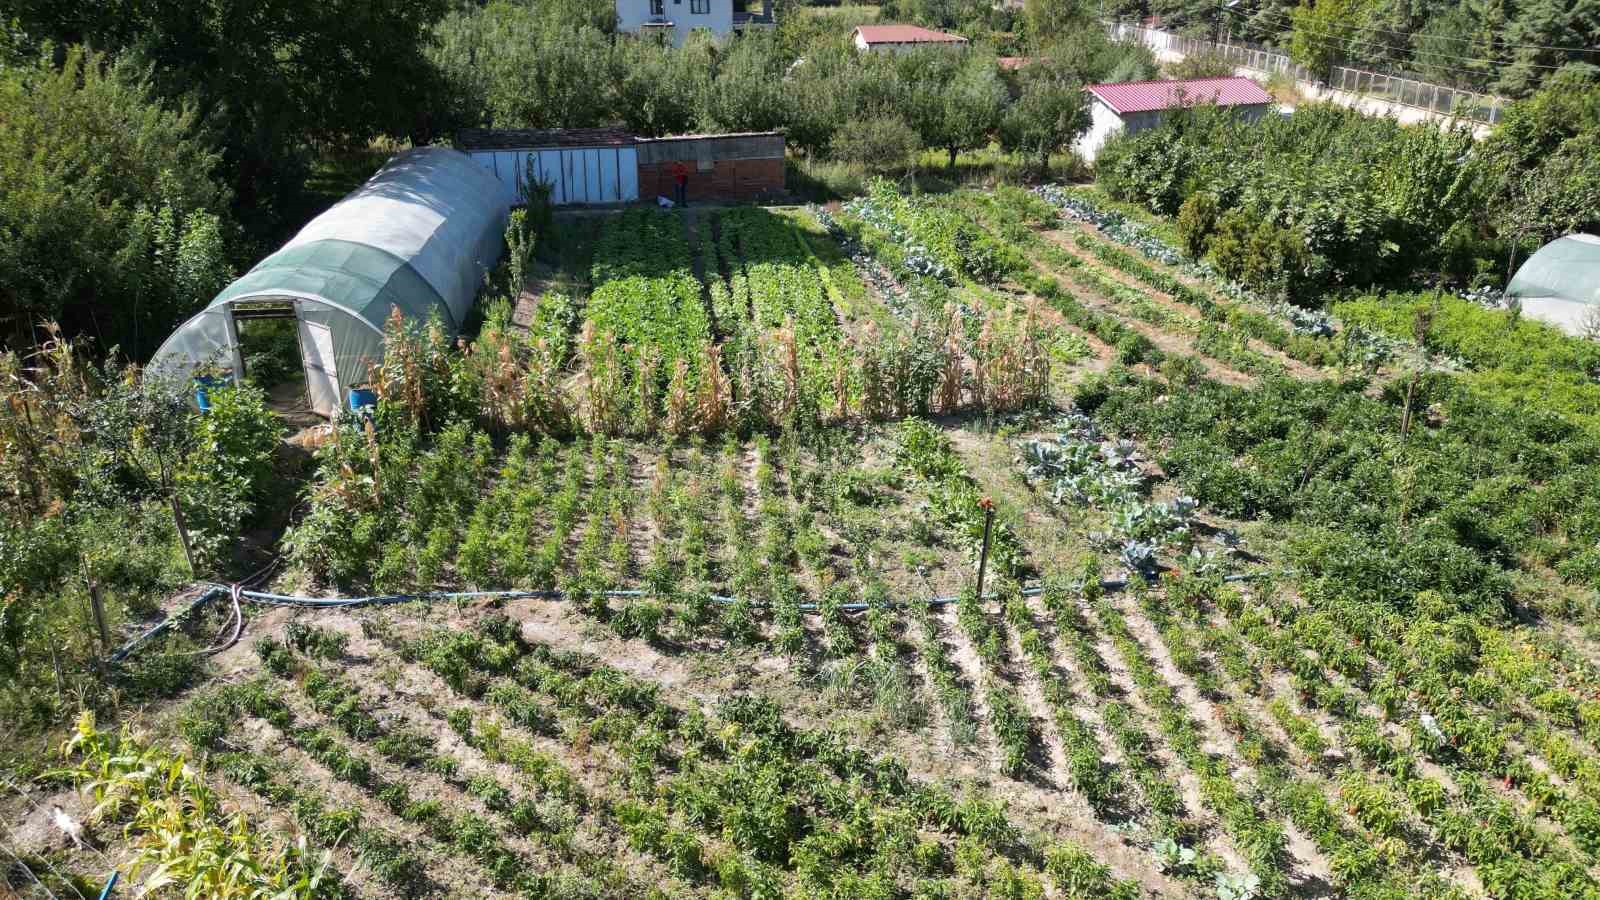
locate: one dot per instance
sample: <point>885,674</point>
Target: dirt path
<point>964,656</point>
<point>1308,866</point>
<point>1062,238</point>
<point>1165,341</point>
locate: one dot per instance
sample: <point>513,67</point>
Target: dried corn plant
<point>414,376</point>
<point>714,399</point>
<point>603,381</point>
<point>1012,367</point>
<point>841,390</point>
<point>783,362</point>
<point>680,400</point>
<point>544,403</point>
<point>952,373</point>
<point>647,368</point>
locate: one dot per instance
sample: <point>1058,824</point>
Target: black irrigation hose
<point>239,595</point>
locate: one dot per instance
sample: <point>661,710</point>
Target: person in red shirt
<point>680,183</point>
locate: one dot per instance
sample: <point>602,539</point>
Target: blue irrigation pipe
<point>106,891</point>
<point>213,591</point>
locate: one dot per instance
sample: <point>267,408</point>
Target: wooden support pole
<point>183,534</point>
<point>98,607</point>
<point>987,505</point>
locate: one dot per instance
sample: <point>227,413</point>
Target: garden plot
<point>1242,640</point>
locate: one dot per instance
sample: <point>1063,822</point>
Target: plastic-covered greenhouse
<point>1560,284</point>
<point>418,237</point>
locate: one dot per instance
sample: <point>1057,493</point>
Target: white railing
<point>1397,88</point>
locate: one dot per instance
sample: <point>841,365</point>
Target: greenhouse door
<point>322,378</point>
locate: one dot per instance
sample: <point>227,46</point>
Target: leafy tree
<point>1536,28</point>
<point>1048,21</point>
<point>954,102</point>
<point>115,224</point>
<point>1543,153</point>
<point>271,76</point>
<point>1200,65</point>
<point>1087,56</point>
<point>883,142</point>
<point>829,87</point>
<point>1440,46</point>
<point>513,66</point>
<point>1046,118</point>
<point>1269,259</point>
<point>1322,31</point>
<point>659,88</point>
<point>747,92</point>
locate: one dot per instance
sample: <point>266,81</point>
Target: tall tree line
<point>1509,47</point>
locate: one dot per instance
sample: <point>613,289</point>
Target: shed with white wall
<point>1133,106</point>
<point>903,39</point>
<point>583,166</point>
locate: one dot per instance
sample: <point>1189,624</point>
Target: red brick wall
<point>729,179</point>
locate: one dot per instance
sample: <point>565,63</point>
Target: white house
<point>1133,106</point>
<point>673,20</point>
<point>903,38</point>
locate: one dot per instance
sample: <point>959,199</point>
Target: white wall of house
<point>1105,122</point>
<point>685,16</point>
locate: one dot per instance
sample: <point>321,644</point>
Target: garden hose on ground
<point>237,593</point>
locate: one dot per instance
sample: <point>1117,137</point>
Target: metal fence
<point>1389,86</point>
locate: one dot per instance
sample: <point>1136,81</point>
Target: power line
<point>12,840</point>
<point>48,893</point>
<point>1402,49</point>
<point>1409,34</point>
<point>40,809</point>
<point>1409,51</point>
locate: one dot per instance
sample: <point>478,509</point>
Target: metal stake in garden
<point>987,505</point>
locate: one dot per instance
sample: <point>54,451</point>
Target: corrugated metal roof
<point>905,34</point>
<point>709,136</point>
<point>1144,96</point>
<point>526,138</point>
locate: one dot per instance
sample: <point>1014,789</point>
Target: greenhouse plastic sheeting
<point>418,238</point>
<point>1560,284</point>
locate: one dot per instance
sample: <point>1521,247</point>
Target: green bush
<point>1269,259</point>
<point>878,143</point>
<point>1197,219</point>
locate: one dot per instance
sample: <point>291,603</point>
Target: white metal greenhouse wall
<point>418,237</point>
<point>581,165</point>
<point>576,175</point>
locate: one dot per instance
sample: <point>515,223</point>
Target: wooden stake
<point>183,534</point>
<point>99,609</point>
<point>987,505</point>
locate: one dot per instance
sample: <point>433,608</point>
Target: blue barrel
<point>203,384</point>
<point>362,398</point>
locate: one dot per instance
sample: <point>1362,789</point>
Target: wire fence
<point>1398,88</point>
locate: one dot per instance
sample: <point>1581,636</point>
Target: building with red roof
<point>1133,106</point>
<point>903,38</point>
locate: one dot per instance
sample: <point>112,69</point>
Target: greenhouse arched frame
<point>1560,283</point>
<point>417,238</point>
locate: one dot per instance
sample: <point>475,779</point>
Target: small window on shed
<point>700,7</point>
<point>658,7</point>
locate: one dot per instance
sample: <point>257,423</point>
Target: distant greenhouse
<point>418,237</point>
<point>1560,284</point>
